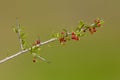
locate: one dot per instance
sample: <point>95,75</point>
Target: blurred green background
<point>94,57</point>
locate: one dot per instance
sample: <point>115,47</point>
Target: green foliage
<point>80,26</point>
<point>15,29</point>
<point>35,49</point>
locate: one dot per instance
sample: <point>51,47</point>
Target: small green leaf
<point>31,50</point>
<point>57,35</point>
<point>82,35</point>
<point>15,30</point>
<point>38,49</point>
<point>35,49</point>
<point>23,42</point>
<point>22,35</point>
<point>53,35</point>
<point>101,21</point>
<point>81,24</point>
<point>77,33</point>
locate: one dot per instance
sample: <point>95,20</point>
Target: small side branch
<point>19,34</point>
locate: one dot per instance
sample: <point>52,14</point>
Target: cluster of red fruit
<point>63,38</point>
<point>93,29</point>
<point>97,22</point>
<point>74,36</point>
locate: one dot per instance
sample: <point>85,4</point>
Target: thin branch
<point>91,28</point>
<point>19,36</point>
<point>26,50</point>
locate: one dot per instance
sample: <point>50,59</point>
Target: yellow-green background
<point>94,57</point>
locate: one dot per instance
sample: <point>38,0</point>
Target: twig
<point>74,35</point>
<point>19,36</point>
<point>26,50</point>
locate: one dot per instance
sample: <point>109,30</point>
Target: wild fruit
<point>94,30</point>
<point>98,24</point>
<point>34,60</point>
<point>38,42</point>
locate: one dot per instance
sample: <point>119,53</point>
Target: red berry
<point>73,33</point>
<point>73,36</point>
<point>77,38</point>
<point>94,30</point>
<point>38,42</point>
<point>62,32</point>
<point>84,30</point>
<point>34,60</point>
<point>91,30</point>
<point>98,24</point>
<point>62,40</point>
<point>97,21</point>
